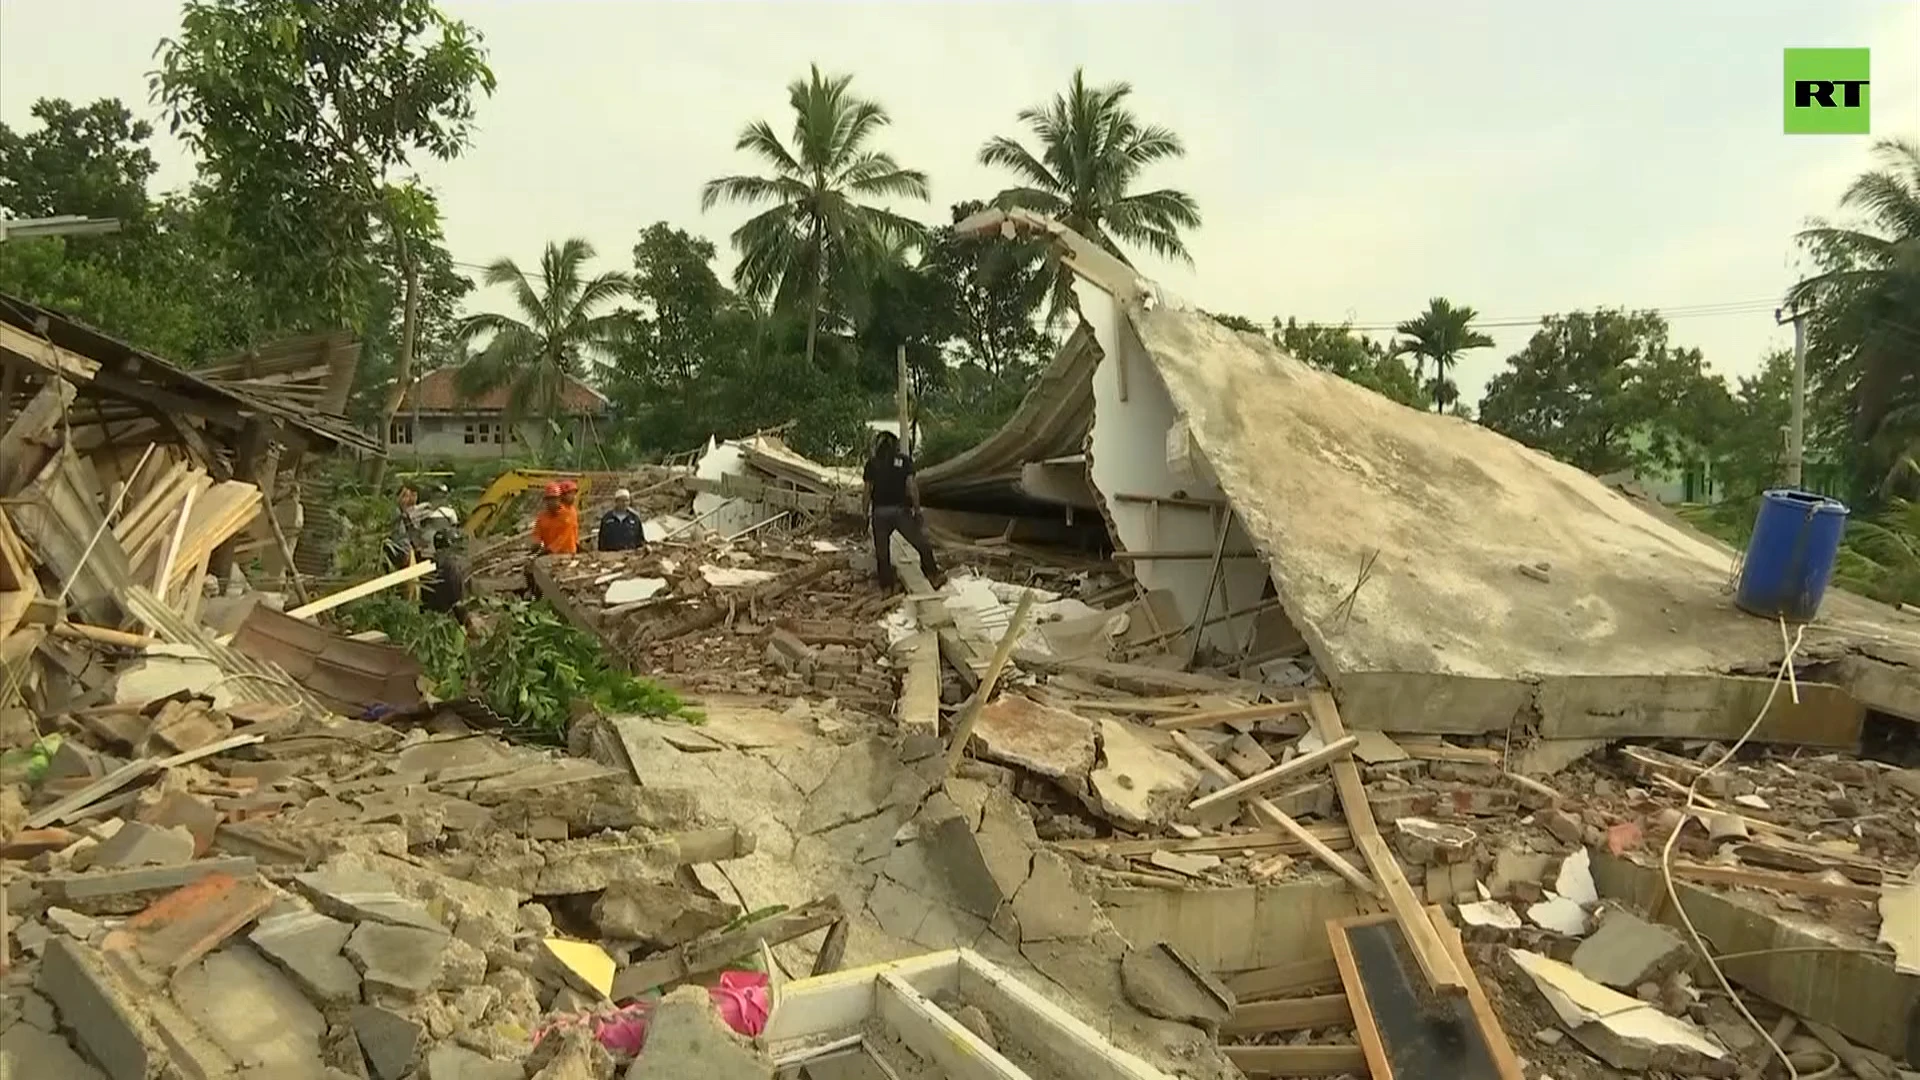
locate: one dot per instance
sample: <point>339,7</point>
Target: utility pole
<point>1797,417</point>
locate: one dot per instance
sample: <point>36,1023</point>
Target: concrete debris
<point>686,1038</point>
<point>1016,730</point>
<point>308,946</point>
<point>1136,785</point>
<point>138,844</point>
<point>255,1014</point>
<point>1624,1032</point>
<point>1900,925</point>
<point>388,1039</point>
<point>1627,951</point>
<point>1166,984</point>
<point>357,895</point>
<point>403,959</point>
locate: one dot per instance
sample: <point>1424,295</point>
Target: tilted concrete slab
<point>1633,632</point>
<point>1394,540</point>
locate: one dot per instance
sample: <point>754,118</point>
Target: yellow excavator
<point>495,503</point>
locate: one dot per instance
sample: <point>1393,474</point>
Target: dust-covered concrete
<point>1329,477</point>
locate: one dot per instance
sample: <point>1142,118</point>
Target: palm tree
<point>1440,334</point>
<point>816,235</point>
<point>563,330</point>
<point>1092,150</point>
<point>1865,304</point>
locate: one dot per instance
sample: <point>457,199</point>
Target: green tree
<point>1440,334</point>
<point>817,236</point>
<point>166,282</point>
<point>562,328</point>
<point>90,160</point>
<point>1092,150</point>
<point>1863,358</point>
<point>301,112</point>
<point>1604,391</point>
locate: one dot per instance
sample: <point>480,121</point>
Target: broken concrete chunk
<point>34,1054</point>
<point>1560,915</point>
<point>361,895</point>
<point>1900,925</point>
<point>1017,730</point>
<point>1625,1032</point>
<point>307,945</point>
<point>1427,843</point>
<point>255,1014</point>
<point>1575,880</point>
<point>1161,982</point>
<point>1136,785</point>
<point>450,1062</point>
<point>687,1038</point>
<point>1627,950</point>
<point>1512,867</point>
<point>92,1010</point>
<point>1051,905</point>
<point>403,959</point>
<point>658,914</point>
<point>387,1039</point>
<point>138,844</point>
<point>1192,865</point>
<point>1491,913</point>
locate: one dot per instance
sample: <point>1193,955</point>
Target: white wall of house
<point>1128,454</point>
<point>467,437</point>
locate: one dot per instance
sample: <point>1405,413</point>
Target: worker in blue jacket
<point>620,527</point>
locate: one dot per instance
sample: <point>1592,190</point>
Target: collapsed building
<point>1265,728</point>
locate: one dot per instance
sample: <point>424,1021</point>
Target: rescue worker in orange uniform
<point>556,529</point>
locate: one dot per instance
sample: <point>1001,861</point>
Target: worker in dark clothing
<point>621,528</point>
<point>402,544</point>
<point>447,586</point>
<point>893,505</point>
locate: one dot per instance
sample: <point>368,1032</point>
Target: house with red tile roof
<point>437,420</point>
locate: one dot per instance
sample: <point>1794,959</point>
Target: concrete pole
<point>1797,417</point>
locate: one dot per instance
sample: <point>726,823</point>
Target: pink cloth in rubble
<point>740,997</point>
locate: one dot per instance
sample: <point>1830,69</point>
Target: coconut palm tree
<point>1092,150</point>
<point>1864,356</point>
<point>562,327</point>
<point>1440,334</point>
<point>817,234</point>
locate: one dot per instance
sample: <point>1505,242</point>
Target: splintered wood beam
<point>1266,810</point>
<point>1335,750</point>
<point>1429,950</point>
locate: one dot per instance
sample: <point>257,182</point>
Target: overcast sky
<point>1351,160</point>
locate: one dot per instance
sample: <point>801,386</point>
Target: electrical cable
<point>1784,675</point>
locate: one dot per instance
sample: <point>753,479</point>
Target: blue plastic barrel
<point>1796,538</point>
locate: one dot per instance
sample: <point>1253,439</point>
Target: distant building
<point>437,421</point>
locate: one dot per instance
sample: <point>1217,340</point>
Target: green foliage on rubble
<point>532,666</point>
<point>434,639</point>
<point>527,663</point>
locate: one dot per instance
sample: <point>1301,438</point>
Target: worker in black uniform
<point>446,590</point>
<point>893,505</point>
<point>403,542</point>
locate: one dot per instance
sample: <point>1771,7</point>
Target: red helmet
<point>554,490</point>
<point>568,485</point>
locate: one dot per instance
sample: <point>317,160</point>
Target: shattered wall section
<point>1128,455</point>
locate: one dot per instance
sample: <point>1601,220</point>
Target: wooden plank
<point>1259,1062</point>
<point>1179,555</point>
<point>22,447</point>
<point>935,1035</point>
<point>970,715</point>
<point>1060,1043</point>
<point>1788,883</point>
<point>1263,840</point>
<point>1334,750</point>
<point>1284,980</point>
<point>72,805</point>
<point>1266,810</point>
<point>1495,1060</point>
<point>1428,949</point>
<point>697,957</point>
<point>366,588</point>
<point>1289,1014</point>
<point>1210,718</point>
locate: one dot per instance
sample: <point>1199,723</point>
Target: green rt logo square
<point>1827,92</point>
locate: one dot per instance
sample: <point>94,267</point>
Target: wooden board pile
<point>1163,779</point>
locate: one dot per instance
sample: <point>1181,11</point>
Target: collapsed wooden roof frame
<point>109,374</point>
